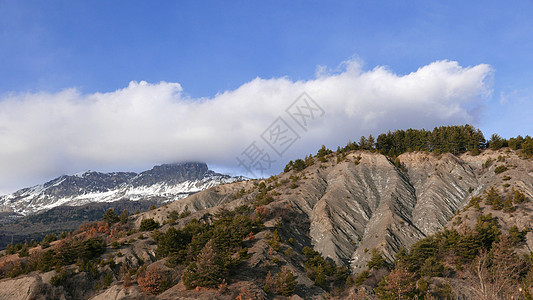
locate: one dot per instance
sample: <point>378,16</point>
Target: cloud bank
<point>43,135</point>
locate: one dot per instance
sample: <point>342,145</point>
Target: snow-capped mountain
<point>166,182</point>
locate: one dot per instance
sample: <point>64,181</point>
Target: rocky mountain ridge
<point>363,200</point>
<point>166,182</point>
<point>341,204</point>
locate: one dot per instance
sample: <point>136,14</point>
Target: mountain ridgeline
<point>428,214</point>
<point>166,182</point>
<point>444,139</point>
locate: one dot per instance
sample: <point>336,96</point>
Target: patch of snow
<point>82,174</point>
<point>35,199</point>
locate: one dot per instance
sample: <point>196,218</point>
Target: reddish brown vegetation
<point>151,281</point>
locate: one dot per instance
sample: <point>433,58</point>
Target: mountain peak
<point>172,173</point>
<point>199,167</point>
<point>166,182</point>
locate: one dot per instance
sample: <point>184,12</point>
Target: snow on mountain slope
<point>165,183</point>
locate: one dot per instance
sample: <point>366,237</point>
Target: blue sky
<point>216,47</point>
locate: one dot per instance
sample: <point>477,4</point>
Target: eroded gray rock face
<point>441,185</point>
<point>27,287</point>
<point>351,208</point>
<point>118,292</point>
<point>364,206</point>
<point>375,204</point>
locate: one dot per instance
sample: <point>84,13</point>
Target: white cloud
<point>43,135</point>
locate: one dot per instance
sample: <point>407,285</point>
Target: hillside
<point>62,218</point>
<point>483,252</point>
<point>303,231</point>
<point>64,203</point>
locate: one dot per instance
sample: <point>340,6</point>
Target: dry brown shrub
<point>151,281</point>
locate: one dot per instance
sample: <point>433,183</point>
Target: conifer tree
<point>110,216</point>
<point>124,217</point>
<point>492,196</point>
<point>527,146</point>
<point>285,282</point>
<point>496,142</point>
<point>518,197</point>
<point>208,270</point>
<point>399,284</point>
<point>497,204</point>
<point>376,260</point>
<point>275,241</point>
<point>508,205</point>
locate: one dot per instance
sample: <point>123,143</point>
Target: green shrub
<point>500,169</point>
<point>59,278</point>
<point>376,260</point>
<point>124,217</point>
<point>487,231</point>
<point>360,279</point>
<point>208,270</point>
<point>299,165</point>
<point>10,249</point>
<point>516,236</point>
<point>174,243</point>
<point>243,253</point>
<point>108,279</point>
<point>148,225</point>
<point>275,241</point>
<point>110,216</point>
<point>45,243</point>
<point>519,197</point>
<point>318,268</point>
<point>71,252</point>
<point>493,198</point>
<point>285,282</point>
<point>24,252</point>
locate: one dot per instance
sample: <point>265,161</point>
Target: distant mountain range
<point>162,183</point>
